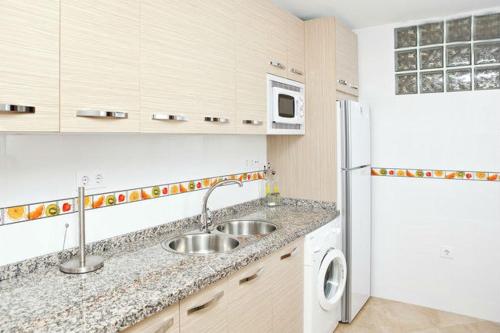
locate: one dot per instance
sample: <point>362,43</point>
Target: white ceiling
<point>365,13</point>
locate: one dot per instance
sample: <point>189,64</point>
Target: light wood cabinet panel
<point>346,59</point>
<point>288,288</point>
<point>29,63</point>
<point>205,311</point>
<point>251,66</point>
<point>217,80</point>
<point>276,41</point>
<point>166,321</point>
<point>170,66</point>
<point>250,307</point>
<point>296,49</point>
<point>100,64</point>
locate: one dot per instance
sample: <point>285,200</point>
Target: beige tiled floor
<point>384,316</point>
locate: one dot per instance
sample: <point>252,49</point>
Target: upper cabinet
<point>100,66</point>
<point>346,59</point>
<point>172,66</point>
<point>296,49</point>
<point>252,61</point>
<point>29,63</point>
<point>188,66</point>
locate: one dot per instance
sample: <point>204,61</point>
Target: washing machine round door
<point>331,279</point>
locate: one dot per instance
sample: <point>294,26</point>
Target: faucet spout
<point>204,219</point>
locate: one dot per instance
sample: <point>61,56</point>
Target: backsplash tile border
<point>46,209</point>
<point>437,174</point>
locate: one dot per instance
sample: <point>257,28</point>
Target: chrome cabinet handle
<point>12,108</point>
<point>217,120</point>
<point>102,114</point>
<point>206,305</point>
<point>296,71</point>
<point>252,277</point>
<point>277,64</point>
<point>252,122</point>
<point>164,327</point>
<point>352,86</point>
<point>173,117</point>
<point>290,254</point>
<point>342,82</point>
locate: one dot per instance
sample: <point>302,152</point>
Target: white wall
<point>413,218</point>
<point>37,168</point>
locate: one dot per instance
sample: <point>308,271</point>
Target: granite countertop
<point>139,277</point>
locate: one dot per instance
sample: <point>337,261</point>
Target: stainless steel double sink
<point>222,241</point>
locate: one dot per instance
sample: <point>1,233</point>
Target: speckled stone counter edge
<point>108,245</point>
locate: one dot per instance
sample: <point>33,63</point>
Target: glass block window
<point>458,54</point>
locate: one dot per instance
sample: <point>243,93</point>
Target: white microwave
<point>285,106</point>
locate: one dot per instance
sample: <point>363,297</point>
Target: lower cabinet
<point>250,307</point>
<point>288,288</point>
<point>166,321</point>
<point>265,297</point>
<point>206,311</point>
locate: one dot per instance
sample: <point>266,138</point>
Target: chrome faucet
<point>205,221</point>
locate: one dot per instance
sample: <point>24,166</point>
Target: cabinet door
<point>170,67</point>
<point>251,67</point>
<point>166,321</point>
<point>250,307</point>
<point>296,49</point>
<point>217,80</point>
<point>276,39</point>
<point>100,66</point>
<point>288,288</point>
<point>29,63</point>
<point>205,311</point>
<point>346,43</point>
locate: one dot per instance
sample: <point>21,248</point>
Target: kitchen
<point>248,166</point>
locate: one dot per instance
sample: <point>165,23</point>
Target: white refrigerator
<point>354,202</point>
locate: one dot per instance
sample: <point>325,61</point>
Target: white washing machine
<point>325,272</point>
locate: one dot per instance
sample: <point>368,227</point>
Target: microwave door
<point>284,110</point>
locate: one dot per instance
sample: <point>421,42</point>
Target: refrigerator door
<point>357,239</point>
<point>355,124</point>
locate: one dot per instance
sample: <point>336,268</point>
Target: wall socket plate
<point>91,179</point>
<point>447,252</point>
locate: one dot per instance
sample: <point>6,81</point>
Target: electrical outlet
<point>447,252</point>
<point>90,179</point>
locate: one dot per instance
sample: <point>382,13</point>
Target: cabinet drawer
<point>166,321</point>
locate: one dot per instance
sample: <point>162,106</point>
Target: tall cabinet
<point>306,164</point>
<point>29,63</point>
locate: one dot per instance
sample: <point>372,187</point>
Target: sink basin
<point>247,227</point>
<point>202,243</point>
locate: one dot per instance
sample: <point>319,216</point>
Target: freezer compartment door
<point>357,214</point>
<point>355,122</point>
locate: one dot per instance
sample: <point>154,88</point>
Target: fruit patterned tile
<point>41,210</point>
<point>110,199</point>
<point>98,201</point>
<point>174,189</point>
<point>134,195</point>
<point>16,214</point>
<point>67,206</point>
<point>437,174</point>
<point>492,176</point>
<point>121,197</point>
